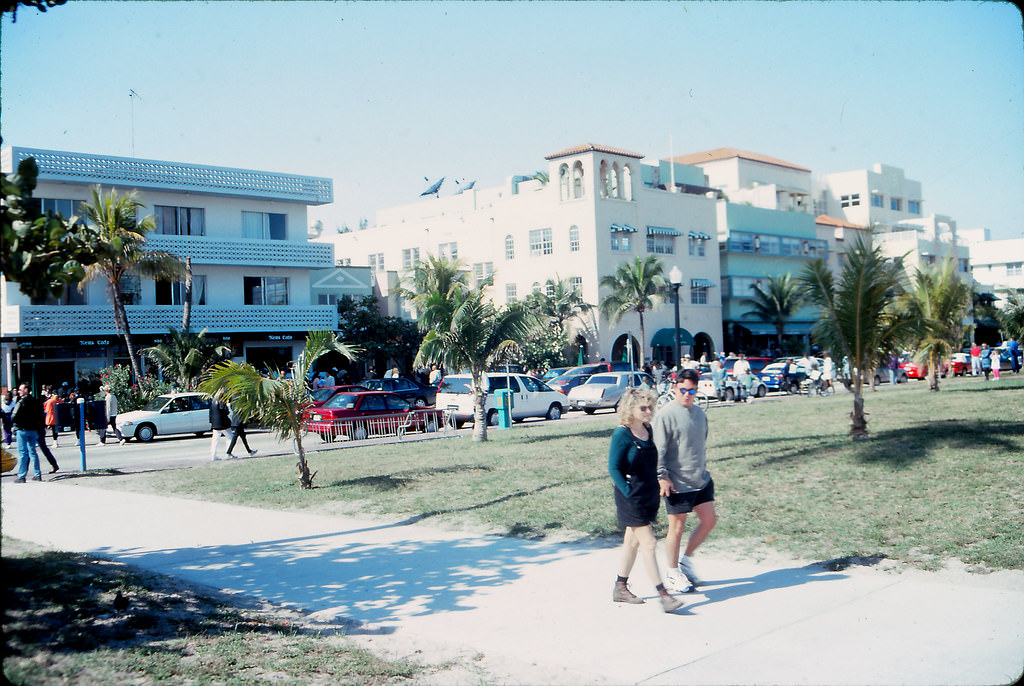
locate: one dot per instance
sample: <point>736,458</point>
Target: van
<point>531,397</point>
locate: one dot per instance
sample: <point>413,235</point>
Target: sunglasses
<point>645,408</point>
<point>687,391</point>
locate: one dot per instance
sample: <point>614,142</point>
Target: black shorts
<point>682,503</point>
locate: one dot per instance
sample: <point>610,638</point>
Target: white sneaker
<point>686,568</point>
<point>675,581</point>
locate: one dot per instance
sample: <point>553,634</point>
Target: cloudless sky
<point>378,96</point>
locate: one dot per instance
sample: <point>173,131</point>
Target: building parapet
<point>272,253</point>
<point>65,320</point>
<point>130,172</point>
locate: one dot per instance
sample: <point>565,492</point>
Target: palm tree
<point>937,303</point>
<point>432,283</point>
<point>776,302</point>
<point>473,336</point>
<point>636,287</point>
<point>274,401</point>
<point>857,319</point>
<point>565,302</point>
<point>1011,316</point>
<point>121,253</point>
<point>186,356</point>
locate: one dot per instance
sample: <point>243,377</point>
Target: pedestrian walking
<point>237,432</point>
<point>680,433</point>
<point>220,422</point>
<point>50,414</point>
<point>975,360</point>
<point>26,418</point>
<point>6,405</point>
<point>633,466</point>
<point>986,360</point>
<point>110,405</point>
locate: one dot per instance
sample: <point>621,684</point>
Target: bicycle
<point>669,396</point>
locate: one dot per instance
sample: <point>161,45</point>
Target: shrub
<point>131,396</point>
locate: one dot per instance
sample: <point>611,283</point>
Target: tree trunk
<point>858,422</point>
<point>305,478</point>
<point>643,337</point>
<point>479,415</point>
<point>121,318</point>
<point>933,373</point>
<point>186,310</point>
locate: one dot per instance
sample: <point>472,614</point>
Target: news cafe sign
<point>97,342</point>
<point>279,337</point>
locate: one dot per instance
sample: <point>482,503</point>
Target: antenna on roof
<point>131,98</point>
<point>433,190</point>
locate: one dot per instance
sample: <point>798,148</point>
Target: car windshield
<point>321,394</point>
<point>374,384</point>
<point>157,403</point>
<point>604,378</point>
<point>342,401</point>
<point>455,384</point>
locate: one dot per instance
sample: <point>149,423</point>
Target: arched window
<point>577,180</point>
<point>613,181</point>
<point>604,171</point>
<point>536,287</point>
<point>563,182</point>
<point>510,247</point>
<point>574,238</point>
<point>627,183</point>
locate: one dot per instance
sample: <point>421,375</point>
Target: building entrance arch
<point>703,345</point>
<point>621,350</point>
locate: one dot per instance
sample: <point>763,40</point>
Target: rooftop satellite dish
<point>433,189</point>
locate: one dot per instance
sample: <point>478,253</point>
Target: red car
<point>358,415</point>
<point>919,370</point>
<point>322,395</point>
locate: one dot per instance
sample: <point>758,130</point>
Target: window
<point>577,285</point>
<point>263,225</point>
<point>697,248</point>
<point>540,242</point>
<point>877,200</point>
<point>1012,268</point>
<point>621,242</point>
<point>180,221</point>
<point>173,292</point>
<point>266,290</point>
<point>70,296</point>
<point>510,292</point>
<point>536,287</point>
<point>376,261</point>
<point>563,182</point>
<point>327,299</point>
<point>896,204</point>
<point>914,206</point>
<point>410,257</point>
<point>510,247</point>
<point>549,289</point>
<point>577,180</point>
<point>850,200</point>
<point>627,183</point>
<point>698,295</point>
<point>661,245</point>
<point>131,290</point>
<point>483,273</point>
<point>574,238</point>
<point>64,208</point>
<point>448,251</point>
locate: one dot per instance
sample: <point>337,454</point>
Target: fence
<point>383,426</point>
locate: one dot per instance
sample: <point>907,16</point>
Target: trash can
<point>503,400</point>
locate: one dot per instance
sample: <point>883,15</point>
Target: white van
<point>531,397</point>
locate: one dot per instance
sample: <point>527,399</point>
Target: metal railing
<point>383,426</point>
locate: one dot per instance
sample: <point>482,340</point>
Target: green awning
<point>700,236</point>
<point>662,231</point>
<point>667,338</point>
<point>623,228</point>
<point>701,283</point>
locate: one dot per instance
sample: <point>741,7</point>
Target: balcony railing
<point>69,320</point>
<point>249,252</point>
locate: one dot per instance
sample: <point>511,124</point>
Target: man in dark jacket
<point>26,418</point>
<point>220,422</point>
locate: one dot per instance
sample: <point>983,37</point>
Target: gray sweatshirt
<point>680,434</point>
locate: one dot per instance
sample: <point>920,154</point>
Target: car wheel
<point>327,437</point>
<point>555,411</point>
<point>429,424</point>
<point>878,380</point>
<point>359,432</point>
<point>729,394</point>
<point>145,433</point>
<point>421,402</point>
<point>459,423</point>
<point>588,410</point>
<point>762,391</point>
<point>492,418</point>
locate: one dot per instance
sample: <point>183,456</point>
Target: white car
<point>603,390</point>
<point>172,413</point>
<point>531,397</point>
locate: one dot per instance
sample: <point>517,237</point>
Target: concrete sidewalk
<point>544,609</point>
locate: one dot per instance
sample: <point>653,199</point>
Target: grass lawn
<point>942,477</point>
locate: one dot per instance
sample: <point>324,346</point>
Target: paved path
<point>545,606</point>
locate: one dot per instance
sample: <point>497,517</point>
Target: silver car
<point>605,388</point>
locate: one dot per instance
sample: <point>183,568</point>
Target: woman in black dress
<point>633,465</point>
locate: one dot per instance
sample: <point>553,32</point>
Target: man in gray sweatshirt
<point>680,432</point>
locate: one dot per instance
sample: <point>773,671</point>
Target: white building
<point>603,206</point>
<point>750,178</point>
<point>245,231</point>
<point>840,236</point>
<point>879,197</point>
<point>997,266</point>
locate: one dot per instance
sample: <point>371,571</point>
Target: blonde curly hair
<point>633,397</point>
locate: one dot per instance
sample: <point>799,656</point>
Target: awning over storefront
<point>763,329</point>
<point>662,231</point>
<point>701,283</point>
<point>700,236</point>
<point>623,228</point>
<point>667,338</point>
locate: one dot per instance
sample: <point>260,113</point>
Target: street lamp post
<point>675,279</point>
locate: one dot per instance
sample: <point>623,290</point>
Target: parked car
<point>553,372</point>
<point>604,390</point>
<point>416,393</point>
<point>566,382</point>
<point>363,414</point>
<point>531,397</point>
<point>919,370</point>
<point>960,364</point>
<point>756,364</point>
<point>322,395</point>
<point>164,415</point>
<point>733,390</point>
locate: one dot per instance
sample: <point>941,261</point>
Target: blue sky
<point>378,96</point>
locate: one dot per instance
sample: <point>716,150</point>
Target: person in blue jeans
<point>26,418</point>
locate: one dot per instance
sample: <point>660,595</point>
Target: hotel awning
<point>700,236</point>
<point>667,338</point>
<point>701,283</point>
<point>623,228</point>
<point>662,231</point>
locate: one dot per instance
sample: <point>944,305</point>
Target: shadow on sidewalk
<point>338,576</point>
<point>727,589</point>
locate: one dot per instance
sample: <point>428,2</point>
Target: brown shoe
<point>670,603</point>
<point>622,594</point>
